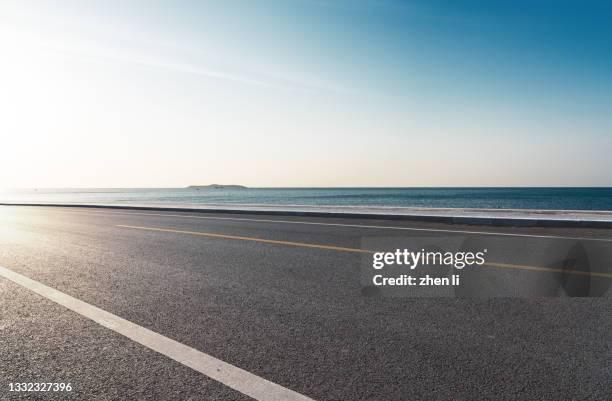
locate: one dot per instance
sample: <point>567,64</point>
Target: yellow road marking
<point>547,269</point>
<point>357,250</point>
<point>237,237</point>
<point>182,214</point>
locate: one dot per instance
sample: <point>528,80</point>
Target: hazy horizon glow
<point>305,93</point>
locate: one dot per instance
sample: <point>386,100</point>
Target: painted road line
<point>254,239</point>
<point>356,250</point>
<point>366,226</point>
<point>547,269</point>
<point>238,379</point>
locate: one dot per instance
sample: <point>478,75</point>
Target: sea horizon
<point>528,198</point>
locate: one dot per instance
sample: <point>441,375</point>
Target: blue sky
<point>306,93</point>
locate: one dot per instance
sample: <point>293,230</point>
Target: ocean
<point>489,198</point>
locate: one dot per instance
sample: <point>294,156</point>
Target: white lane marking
<point>336,225</point>
<point>238,379</point>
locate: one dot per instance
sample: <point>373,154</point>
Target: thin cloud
<point>258,80</point>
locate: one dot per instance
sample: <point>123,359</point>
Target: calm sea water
<point>496,198</point>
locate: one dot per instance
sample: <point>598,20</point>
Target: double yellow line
<point>357,250</point>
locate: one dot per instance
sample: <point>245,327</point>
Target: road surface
<point>167,305</point>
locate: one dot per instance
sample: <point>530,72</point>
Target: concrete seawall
<point>486,217</point>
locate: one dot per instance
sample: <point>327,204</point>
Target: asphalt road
<point>290,300</point>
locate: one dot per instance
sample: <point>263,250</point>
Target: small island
<point>216,186</point>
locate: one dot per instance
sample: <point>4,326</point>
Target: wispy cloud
<point>104,53</point>
<point>161,56</point>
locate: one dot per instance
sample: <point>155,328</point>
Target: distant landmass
<point>216,186</point>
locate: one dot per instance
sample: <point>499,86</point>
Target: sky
<point>305,93</point>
